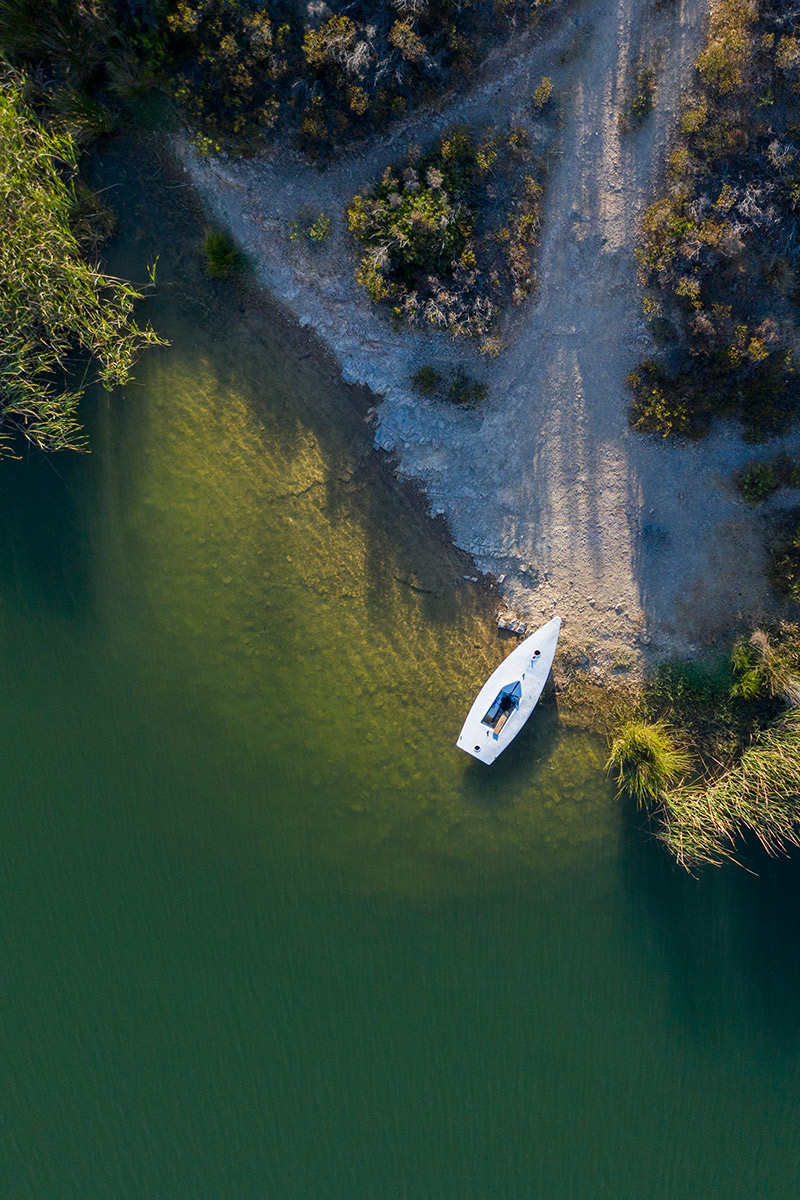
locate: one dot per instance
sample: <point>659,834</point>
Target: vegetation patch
<point>543,94</point>
<point>447,236</point>
<point>760,480</point>
<point>719,251</point>
<point>54,302</point>
<point>759,796</point>
<point>223,256</point>
<point>784,559</point>
<point>646,759</point>
<point>79,66</point>
<point>641,98</point>
<point>326,73</point>
<point>741,718</point>
<point>310,226</point>
<point>456,386</point>
<point>766,667</point>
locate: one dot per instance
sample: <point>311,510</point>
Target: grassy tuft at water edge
<point>647,759</point>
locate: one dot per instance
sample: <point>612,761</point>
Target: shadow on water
<point>499,785</point>
<point>159,218</point>
<point>46,547</point>
<point>728,938</point>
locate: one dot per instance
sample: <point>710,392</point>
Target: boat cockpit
<point>503,705</point>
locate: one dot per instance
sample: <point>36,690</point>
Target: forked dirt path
<point>640,546</point>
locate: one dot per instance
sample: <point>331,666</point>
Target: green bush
<point>427,381</point>
<point>465,390</point>
<point>760,480</point>
<point>640,104</point>
<point>663,405</point>
<point>757,482</point>
<point>52,301</point>
<point>223,256</point>
<point>460,388</point>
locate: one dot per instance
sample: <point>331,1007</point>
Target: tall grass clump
<point>740,715</point>
<point>53,302</point>
<point>223,256</point>
<point>647,760</point>
<point>759,796</point>
<point>765,667</point>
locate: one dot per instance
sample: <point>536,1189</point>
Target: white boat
<point>509,695</point>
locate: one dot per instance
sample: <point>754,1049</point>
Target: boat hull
<point>509,695</point>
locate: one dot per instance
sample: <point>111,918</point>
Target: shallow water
<point>265,931</point>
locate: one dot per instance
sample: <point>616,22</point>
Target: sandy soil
<point>642,547</point>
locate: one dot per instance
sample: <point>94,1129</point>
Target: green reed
<point>647,760</point>
<point>53,302</point>
<point>759,796</point>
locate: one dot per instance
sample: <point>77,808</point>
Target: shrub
<point>784,565</point>
<point>223,256</point>
<point>720,245</point>
<point>465,390</point>
<point>647,760</point>
<point>640,104</point>
<point>244,72</point>
<point>757,482</point>
<point>52,301</point>
<point>427,381</point>
<point>543,93</point>
<point>722,62</point>
<point>447,236</point>
<point>461,388</point>
<point>316,229</point>
<point>662,405</point>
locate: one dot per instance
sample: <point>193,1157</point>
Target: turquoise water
<point>265,932</point>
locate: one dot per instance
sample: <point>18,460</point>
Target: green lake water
<point>265,932</point>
